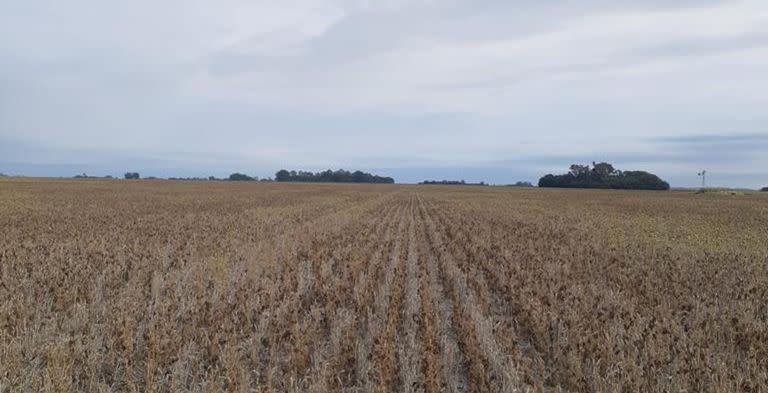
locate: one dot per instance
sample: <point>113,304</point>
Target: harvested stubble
<point>215,286</point>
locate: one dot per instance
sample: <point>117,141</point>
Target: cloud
<point>735,150</point>
<point>755,140</point>
<point>523,87</point>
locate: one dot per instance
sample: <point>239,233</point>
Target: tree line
<point>283,175</point>
<point>329,176</point>
<point>452,183</point>
<point>604,175</point>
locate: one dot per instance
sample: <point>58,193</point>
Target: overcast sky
<point>498,91</point>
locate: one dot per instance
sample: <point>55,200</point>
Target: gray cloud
<point>511,90</point>
<point>712,45</point>
<point>736,150</point>
<point>756,140</point>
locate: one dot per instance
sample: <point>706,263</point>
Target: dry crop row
<point>160,286</point>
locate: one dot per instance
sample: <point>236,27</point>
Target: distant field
<point>227,286</point>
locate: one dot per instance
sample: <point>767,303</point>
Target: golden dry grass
<point>213,286</point>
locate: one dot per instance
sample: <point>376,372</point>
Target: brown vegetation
<point>190,286</point>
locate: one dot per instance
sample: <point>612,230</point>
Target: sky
<point>496,91</point>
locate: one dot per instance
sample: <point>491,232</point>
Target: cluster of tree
<point>521,184</point>
<point>452,183</point>
<point>242,177</point>
<point>177,178</point>
<point>764,189</point>
<point>85,176</point>
<point>604,175</point>
<point>329,176</point>
<point>209,178</point>
<point>234,176</point>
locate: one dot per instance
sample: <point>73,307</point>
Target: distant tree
<point>522,184</point>
<point>358,177</point>
<point>193,178</point>
<point>764,189</point>
<point>639,180</point>
<point>602,170</point>
<point>239,177</point>
<point>132,176</point>
<point>604,175</point>
<point>330,176</point>
<point>549,180</point>
<point>452,183</point>
<point>211,177</point>
<point>282,175</point>
<point>86,176</point>
<point>578,171</point>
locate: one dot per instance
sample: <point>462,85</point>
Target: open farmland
<point>225,286</point>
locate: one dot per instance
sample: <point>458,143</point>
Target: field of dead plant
<point>158,286</point>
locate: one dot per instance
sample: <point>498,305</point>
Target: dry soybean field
<point>162,286</point>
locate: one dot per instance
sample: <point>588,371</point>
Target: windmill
<point>703,175</point>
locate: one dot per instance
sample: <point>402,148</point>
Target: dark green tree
<point>282,175</point>
<point>239,177</point>
<point>579,171</point>
<point>602,170</point>
<point>330,176</point>
<point>604,175</point>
